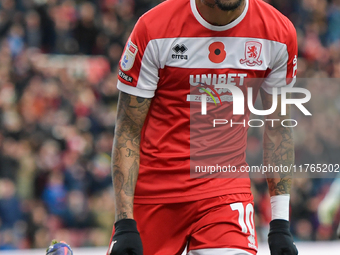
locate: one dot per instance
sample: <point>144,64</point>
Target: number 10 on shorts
<point>246,220</point>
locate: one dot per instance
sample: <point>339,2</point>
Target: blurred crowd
<point>58,74</point>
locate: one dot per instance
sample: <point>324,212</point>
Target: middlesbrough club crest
<point>252,54</point>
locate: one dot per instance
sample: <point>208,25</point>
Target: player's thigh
<point>163,228</point>
<point>226,228</point>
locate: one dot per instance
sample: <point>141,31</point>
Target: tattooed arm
<point>278,147</point>
<point>278,150</point>
<point>132,111</point>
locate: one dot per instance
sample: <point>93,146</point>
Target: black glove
<point>338,231</point>
<point>126,240</point>
<point>280,239</point>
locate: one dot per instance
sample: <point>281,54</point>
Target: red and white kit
<point>171,53</point>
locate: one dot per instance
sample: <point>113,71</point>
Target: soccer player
<point>176,55</point>
<point>330,205</point>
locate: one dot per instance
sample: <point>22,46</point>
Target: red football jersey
<point>174,56</point>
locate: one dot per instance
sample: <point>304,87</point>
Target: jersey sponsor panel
<point>221,52</point>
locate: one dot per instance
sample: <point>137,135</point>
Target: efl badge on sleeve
<point>252,54</point>
<point>129,56</point>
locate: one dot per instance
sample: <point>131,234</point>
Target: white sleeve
<point>277,78</point>
<point>139,65</point>
<point>284,67</point>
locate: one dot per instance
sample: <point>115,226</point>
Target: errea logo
<point>179,50</point>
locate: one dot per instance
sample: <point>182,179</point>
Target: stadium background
<point>58,68</point>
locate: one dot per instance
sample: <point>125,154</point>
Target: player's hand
<point>126,240</point>
<point>280,239</point>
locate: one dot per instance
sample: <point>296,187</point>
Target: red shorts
<point>218,225</point>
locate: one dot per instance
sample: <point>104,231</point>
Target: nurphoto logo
<point>239,102</point>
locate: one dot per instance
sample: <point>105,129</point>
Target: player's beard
<point>228,5</point>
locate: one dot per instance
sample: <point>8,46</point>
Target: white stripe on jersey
<point>160,53</point>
